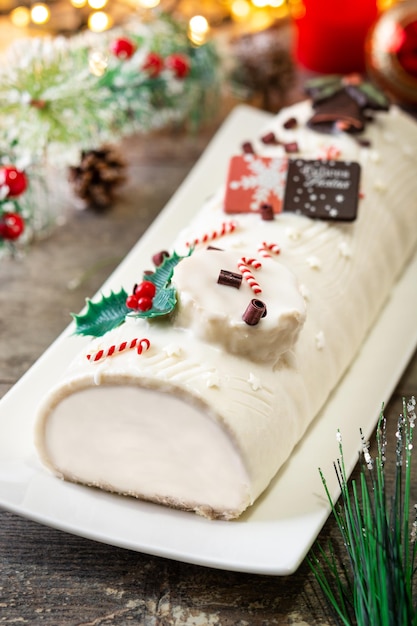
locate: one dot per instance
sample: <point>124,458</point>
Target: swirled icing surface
<point>215,311</point>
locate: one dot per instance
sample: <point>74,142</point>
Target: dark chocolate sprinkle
<point>338,110</point>
<point>248,148</point>
<point>159,257</point>
<point>291,148</point>
<point>267,211</point>
<point>214,248</point>
<point>255,310</point>
<point>269,139</point>
<point>231,279</point>
<point>290,123</point>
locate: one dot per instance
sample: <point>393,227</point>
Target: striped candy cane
<point>248,276</point>
<point>140,344</point>
<point>251,262</point>
<point>266,248</point>
<point>225,229</point>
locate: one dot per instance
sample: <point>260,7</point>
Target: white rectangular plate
<point>272,537</point>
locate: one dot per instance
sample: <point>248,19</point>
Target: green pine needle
<point>374,583</point>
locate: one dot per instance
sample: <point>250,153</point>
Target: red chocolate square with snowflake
<point>254,180</point>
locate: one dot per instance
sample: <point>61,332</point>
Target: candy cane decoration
<point>247,274</point>
<point>266,248</point>
<point>141,346</point>
<point>251,262</point>
<point>225,229</point>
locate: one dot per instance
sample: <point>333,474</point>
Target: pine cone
<point>264,64</point>
<point>97,176</point>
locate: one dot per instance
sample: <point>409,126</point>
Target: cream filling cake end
<point>150,443</point>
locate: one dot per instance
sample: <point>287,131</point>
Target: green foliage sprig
<point>375,582</point>
<point>60,96</point>
<point>76,92</point>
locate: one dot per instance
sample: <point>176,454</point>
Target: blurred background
<point>76,74</point>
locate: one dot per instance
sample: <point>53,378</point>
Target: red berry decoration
<point>12,226</point>
<point>145,289</point>
<point>14,179</point>
<point>123,48</point>
<point>179,64</point>
<point>142,297</point>
<point>153,64</point>
<point>132,302</point>
<point>144,303</point>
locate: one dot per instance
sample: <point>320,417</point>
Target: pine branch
<point>76,93</point>
<point>375,581</point>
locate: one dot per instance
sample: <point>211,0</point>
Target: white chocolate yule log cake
<point>201,378</point>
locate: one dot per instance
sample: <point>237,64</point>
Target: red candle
<point>331,34</point>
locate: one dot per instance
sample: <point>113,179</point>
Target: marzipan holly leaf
<point>165,298</point>
<point>163,303</point>
<point>163,274</point>
<point>102,316</point>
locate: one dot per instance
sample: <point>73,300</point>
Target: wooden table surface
<point>53,578</point>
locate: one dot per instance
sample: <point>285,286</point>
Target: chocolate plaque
<point>321,189</point>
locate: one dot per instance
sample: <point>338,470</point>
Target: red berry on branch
<point>12,226</point>
<point>179,64</point>
<point>14,179</point>
<point>132,302</point>
<point>153,64</point>
<point>145,289</point>
<point>123,48</point>
<point>142,297</point>
<point>144,303</point>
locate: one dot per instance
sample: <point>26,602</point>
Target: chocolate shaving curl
<point>255,310</point>
<point>231,279</point>
<point>291,123</point>
<point>339,109</point>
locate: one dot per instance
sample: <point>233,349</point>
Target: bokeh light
<point>20,17</point>
<point>40,13</point>
<point>99,21</point>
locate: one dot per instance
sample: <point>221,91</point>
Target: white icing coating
<point>253,411</point>
<point>214,311</point>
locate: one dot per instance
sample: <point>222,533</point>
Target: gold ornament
<point>391,51</point>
